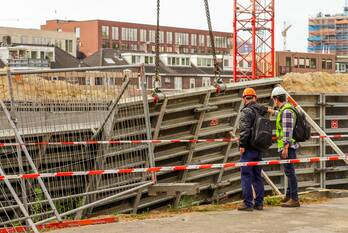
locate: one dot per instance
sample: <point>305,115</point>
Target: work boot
<point>291,204</point>
<point>285,199</point>
<point>258,207</point>
<point>243,207</point>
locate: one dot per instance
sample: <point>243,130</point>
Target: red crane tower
<point>253,48</point>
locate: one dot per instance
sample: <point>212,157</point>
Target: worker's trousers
<point>289,170</point>
<point>251,176</point>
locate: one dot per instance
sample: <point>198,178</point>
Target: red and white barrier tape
<point>66,143</point>
<point>173,168</point>
<point>118,142</point>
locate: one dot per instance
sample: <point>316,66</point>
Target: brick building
<point>287,62</point>
<point>95,34</point>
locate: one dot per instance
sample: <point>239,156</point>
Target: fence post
<point>18,148</point>
<point>322,141</point>
<point>147,121</point>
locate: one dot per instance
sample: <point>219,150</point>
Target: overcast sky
<point>181,13</point>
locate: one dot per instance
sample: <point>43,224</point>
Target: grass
<point>187,206</point>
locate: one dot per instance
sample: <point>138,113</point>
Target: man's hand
<point>241,150</point>
<point>285,152</point>
<point>271,111</point>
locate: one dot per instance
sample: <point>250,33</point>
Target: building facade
<point>96,34</point>
<point>329,33</point>
<point>287,62</point>
<point>20,36</point>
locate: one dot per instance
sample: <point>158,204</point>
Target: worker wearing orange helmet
<point>250,176</point>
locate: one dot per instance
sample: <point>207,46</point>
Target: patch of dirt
<point>318,82</point>
<point>271,201</point>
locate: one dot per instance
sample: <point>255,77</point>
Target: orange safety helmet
<point>249,92</point>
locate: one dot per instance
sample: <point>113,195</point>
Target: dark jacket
<point>246,122</point>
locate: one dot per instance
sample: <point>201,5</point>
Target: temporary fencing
<point>69,105</point>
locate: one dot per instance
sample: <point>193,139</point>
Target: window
<point>181,38</point>
<point>208,41</point>
<point>169,49</point>
<point>329,64</point>
<point>226,63</point>
<point>114,33</point>
<point>193,39</point>
<point>134,47</point>
<point>105,44</point>
<point>68,46</point>
<point>77,32</point>
<point>34,55</point>
<point>323,64</point>
<point>178,83</point>
<point>220,42</point>
<point>206,82</point>
<point>152,36</point>
<point>307,63</point>
<point>201,41</point>
<point>129,34</point>
<point>98,81</point>
<point>149,60</point>
<point>295,62</point>
<point>109,61</point>
<point>288,61</point>
<point>302,62</point>
<point>169,38</point>
<point>178,61</point>
<point>204,62</point>
<point>136,59</point>
<point>143,37</point>
<point>105,32</point>
<point>192,83</point>
<point>161,37</point>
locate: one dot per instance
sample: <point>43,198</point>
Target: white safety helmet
<point>277,91</point>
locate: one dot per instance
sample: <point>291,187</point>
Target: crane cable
<point>218,79</point>
<point>157,82</point>
<point>212,43</point>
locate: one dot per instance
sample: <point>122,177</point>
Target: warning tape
<point>60,225</point>
<point>67,143</point>
<point>172,168</point>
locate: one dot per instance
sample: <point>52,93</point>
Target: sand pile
<point>316,82</point>
<point>41,89</point>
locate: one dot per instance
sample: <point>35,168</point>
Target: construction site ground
<point>322,215</point>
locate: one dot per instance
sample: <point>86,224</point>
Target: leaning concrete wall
<point>199,113</point>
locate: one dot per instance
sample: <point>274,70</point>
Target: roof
<point>65,60</point>
<point>102,57</point>
<point>105,57</point>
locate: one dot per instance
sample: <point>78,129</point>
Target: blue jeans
<point>252,176</point>
<point>289,170</point>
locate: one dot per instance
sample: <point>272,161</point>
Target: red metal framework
<point>254,52</point>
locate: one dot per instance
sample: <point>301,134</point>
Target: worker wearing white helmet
<point>285,122</point>
<point>278,91</point>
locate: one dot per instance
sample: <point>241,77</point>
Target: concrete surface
<point>324,218</point>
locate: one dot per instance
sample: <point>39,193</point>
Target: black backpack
<point>302,130</point>
<point>261,138</point>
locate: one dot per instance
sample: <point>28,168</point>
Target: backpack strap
<point>293,110</point>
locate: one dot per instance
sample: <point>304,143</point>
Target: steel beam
<point>193,145</point>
